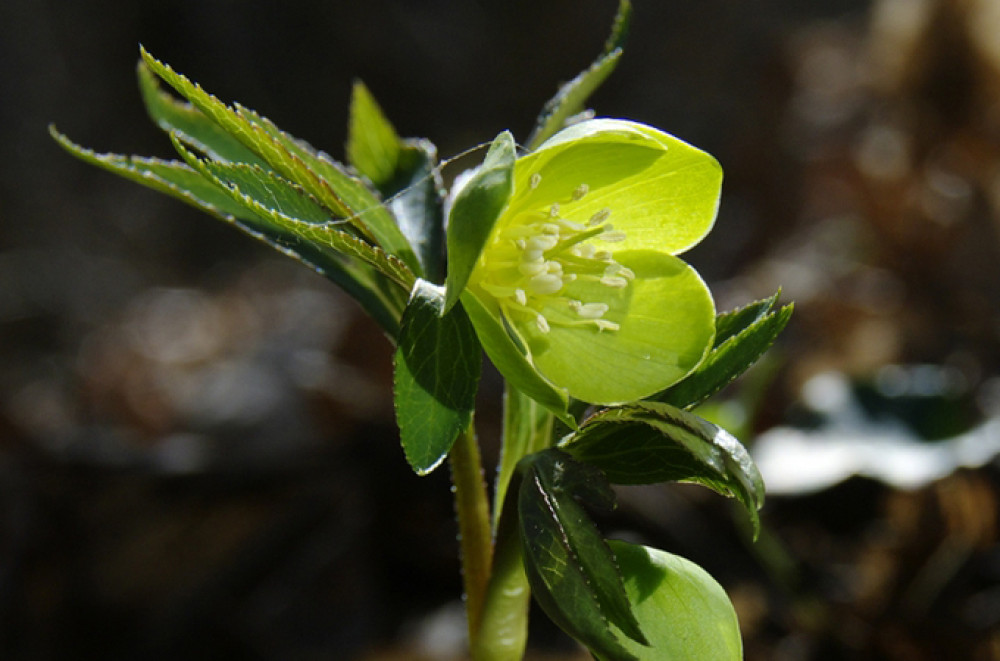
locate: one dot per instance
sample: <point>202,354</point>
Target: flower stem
<point>503,633</point>
<point>472,507</point>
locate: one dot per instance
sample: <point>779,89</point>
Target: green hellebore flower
<point>569,252</point>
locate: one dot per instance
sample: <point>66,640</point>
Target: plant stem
<point>503,633</point>
<point>472,507</point>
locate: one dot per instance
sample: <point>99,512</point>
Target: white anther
<point>550,228</point>
<point>614,281</point>
<point>592,310</point>
<point>580,191</point>
<point>541,242</point>
<point>542,323</point>
<point>569,277</point>
<point>612,237</point>
<point>532,267</point>
<point>536,179</point>
<point>586,251</point>
<point>604,324</point>
<point>552,266</point>
<point>521,244</point>
<point>520,296</point>
<point>627,273</point>
<point>602,255</point>
<point>532,255</point>
<point>546,283</point>
<point>554,210</point>
<point>599,217</point>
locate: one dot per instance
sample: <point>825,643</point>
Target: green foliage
<point>476,209</point>
<point>571,569</point>
<point>562,266</point>
<point>651,442</point>
<point>683,611</point>
<point>742,336</point>
<point>437,371</point>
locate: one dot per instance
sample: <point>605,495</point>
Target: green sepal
<point>437,366</point>
<point>652,442</point>
<point>572,96</point>
<point>742,337</point>
<point>510,359</point>
<point>571,569</point>
<point>475,211</point>
<point>683,611</point>
<point>346,196</point>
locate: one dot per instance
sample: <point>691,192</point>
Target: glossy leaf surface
<point>572,571</point>
<point>437,367</point>
<point>684,612</point>
<point>651,442</point>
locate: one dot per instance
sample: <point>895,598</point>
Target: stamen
<point>531,260</point>
<point>614,282</point>
<point>547,283</point>
<point>536,179</point>
<point>532,268</point>
<point>599,217</point>
<point>592,310</point>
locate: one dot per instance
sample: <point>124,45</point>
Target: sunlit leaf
<point>179,180</point>
<point>346,197</point>
<point>194,126</point>
<point>572,96</point>
<point>684,612</point>
<point>474,212</point>
<point>373,147</point>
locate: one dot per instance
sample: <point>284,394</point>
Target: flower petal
<point>666,323</point>
<point>661,192</point>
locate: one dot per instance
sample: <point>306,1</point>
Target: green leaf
<point>437,367</point>
<point>475,211</point>
<point>743,336</point>
<point>511,360</point>
<point>683,611</point>
<point>404,172</point>
<point>346,196</point>
<point>572,96</point>
<point>373,147</point>
<point>181,181</point>
<point>282,205</point>
<point>571,569</point>
<point>651,442</point>
<point>192,125</point>
<point>416,198</point>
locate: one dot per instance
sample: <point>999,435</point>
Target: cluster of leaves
<point>376,228</point>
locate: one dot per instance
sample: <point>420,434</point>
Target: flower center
<point>531,259</point>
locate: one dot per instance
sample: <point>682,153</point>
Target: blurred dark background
<point>197,451</point>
